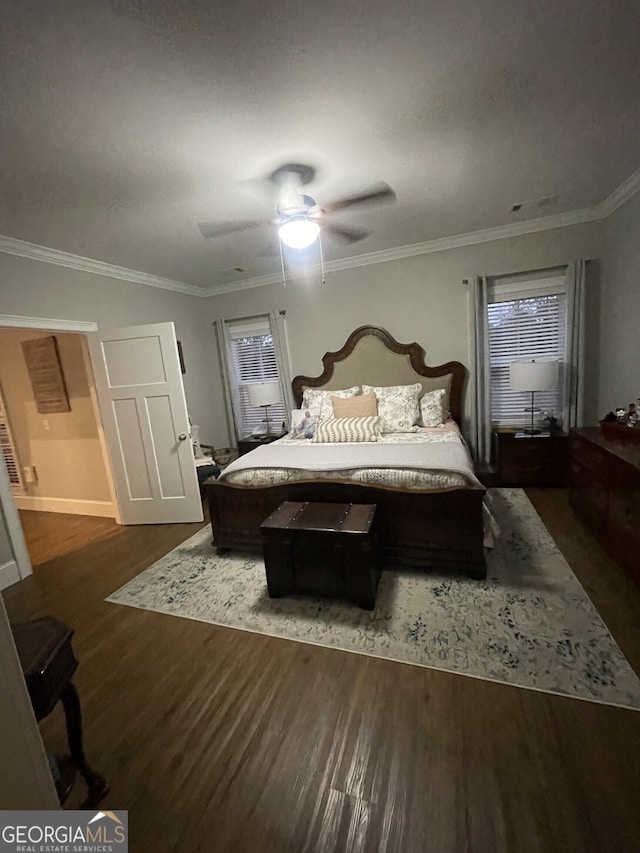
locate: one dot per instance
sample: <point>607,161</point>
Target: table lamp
<point>264,394</point>
<point>532,376</point>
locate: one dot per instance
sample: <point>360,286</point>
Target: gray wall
<point>36,289</point>
<point>619,380</point>
<point>420,298</point>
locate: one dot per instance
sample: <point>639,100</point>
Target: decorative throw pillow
<point>362,406</point>
<point>432,410</point>
<point>304,421</point>
<point>317,397</point>
<point>348,429</point>
<point>397,406</point>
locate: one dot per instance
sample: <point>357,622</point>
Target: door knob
<point>182,436</point>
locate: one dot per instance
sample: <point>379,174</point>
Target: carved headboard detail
<point>372,356</point>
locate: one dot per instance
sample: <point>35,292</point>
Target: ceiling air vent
<point>533,203</point>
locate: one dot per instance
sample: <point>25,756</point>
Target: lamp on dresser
<point>532,376</point>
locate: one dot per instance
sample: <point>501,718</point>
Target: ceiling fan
<point>299,218</point>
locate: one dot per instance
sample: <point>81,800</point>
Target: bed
<point>426,518</point>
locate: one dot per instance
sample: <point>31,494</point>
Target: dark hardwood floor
<point>222,740</point>
<point>54,534</point>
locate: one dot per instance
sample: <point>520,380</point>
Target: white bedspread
<point>436,458</point>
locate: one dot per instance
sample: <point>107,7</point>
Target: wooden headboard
<point>371,356</point>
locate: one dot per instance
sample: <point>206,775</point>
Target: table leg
<point>97,786</point>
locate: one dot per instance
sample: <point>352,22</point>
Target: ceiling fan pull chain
<point>284,279</point>
<point>321,257</point>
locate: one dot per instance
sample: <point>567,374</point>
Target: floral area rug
<point>529,624</point>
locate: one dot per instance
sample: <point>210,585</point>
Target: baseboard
<point>9,574</point>
<point>68,505</point>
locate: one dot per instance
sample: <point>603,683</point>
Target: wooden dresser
<point>604,491</point>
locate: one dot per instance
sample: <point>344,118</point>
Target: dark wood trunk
<point>322,549</point>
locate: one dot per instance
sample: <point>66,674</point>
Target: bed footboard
<point>438,530</point>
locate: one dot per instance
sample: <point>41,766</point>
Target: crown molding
<point>441,244</point>
<point>13,246</point>
<point>23,249</point>
<point>14,321</point>
<point>249,283</point>
<point>623,193</point>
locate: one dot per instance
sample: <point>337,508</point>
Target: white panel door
<point>144,413</point>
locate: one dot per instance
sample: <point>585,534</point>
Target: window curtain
<point>573,413</point>
<point>224,349</point>
<point>480,374</point>
<point>277,320</point>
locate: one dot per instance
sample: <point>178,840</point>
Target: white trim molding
<point>441,244</point>
<point>23,249</point>
<point>9,574</point>
<point>15,321</point>
<point>72,506</point>
<point>472,238</point>
<point>618,197</point>
<point>13,246</point>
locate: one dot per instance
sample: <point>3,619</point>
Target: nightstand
<point>530,460</point>
<point>250,443</point>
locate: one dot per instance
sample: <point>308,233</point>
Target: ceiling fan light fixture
<point>299,232</point>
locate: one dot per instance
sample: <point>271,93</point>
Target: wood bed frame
<point>440,529</point>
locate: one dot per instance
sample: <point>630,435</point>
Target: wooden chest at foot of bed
<point>324,549</point>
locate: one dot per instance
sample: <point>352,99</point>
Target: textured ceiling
<point>125,122</point>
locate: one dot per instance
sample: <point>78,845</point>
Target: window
<point>9,450</point>
<point>252,357</point>
<point>526,319</point>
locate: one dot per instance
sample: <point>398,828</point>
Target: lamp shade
<point>264,393</point>
<point>533,375</point>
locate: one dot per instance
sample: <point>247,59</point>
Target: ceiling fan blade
<point>383,192</point>
<point>220,229</point>
<point>348,233</point>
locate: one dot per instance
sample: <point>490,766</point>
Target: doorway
<point>57,462</point>
<point>137,397</point>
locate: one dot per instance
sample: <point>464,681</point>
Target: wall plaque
<point>45,373</point>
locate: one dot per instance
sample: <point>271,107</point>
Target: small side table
<point>247,444</point>
<point>48,664</point>
<point>530,460</point>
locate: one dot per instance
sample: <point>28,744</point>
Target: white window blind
<point>526,320</point>
<point>9,450</point>
<point>253,360</point>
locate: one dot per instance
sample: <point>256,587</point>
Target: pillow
<point>304,421</point>
<point>362,406</point>
<point>313,397</point>
<point>397,406</point>
<point>348,429</point>
<point>432,409</point>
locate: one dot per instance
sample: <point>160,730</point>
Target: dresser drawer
<point>589,456</point>
<point>605,494</point>
<point>624,523</point>
<point>588,495</point>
